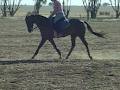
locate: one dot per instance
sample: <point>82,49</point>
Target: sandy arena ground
<point>47,72</point>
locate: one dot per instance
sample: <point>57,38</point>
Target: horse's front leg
<point>54,45</point>
<point>40,45</point>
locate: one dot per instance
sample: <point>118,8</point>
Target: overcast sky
<point>73,2</point>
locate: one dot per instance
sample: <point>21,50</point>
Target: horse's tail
<point>95,33</point>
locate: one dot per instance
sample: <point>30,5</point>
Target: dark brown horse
<point>76,29</point>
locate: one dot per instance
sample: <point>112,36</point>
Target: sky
<point>73,2</point>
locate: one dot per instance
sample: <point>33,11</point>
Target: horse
<point>77,28</point>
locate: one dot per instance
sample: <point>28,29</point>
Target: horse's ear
<point>28,14</point>
<point>31,13</point>
<point>34,13</point>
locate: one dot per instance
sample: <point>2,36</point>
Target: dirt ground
<point>47,72</point>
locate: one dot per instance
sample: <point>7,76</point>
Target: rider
<point>59,16</point>
<point>57,11</point>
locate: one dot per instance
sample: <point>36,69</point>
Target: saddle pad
<point>61,25</point>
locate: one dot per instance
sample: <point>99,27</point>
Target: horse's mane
<point>41,16</point>
<point>42,20</point>
<point>36,15</point>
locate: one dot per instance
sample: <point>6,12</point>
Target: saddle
<point>60,25</point>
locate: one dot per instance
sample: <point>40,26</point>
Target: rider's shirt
<point>57,7</point>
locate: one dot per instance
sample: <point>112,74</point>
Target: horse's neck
<point>42,21</point>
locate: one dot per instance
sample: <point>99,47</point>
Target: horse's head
<point>29,23</point>
<point>39,20</point>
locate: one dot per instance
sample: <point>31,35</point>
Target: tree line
<point>91,7</point>
<point>10,6</point>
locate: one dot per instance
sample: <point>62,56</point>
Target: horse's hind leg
<point>54,45</point>
<point>72,47</point>
<point>40,45</point>
<point>86,45</point>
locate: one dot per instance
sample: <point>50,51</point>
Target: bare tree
<point>67,7</point>
<point>95,4</point>
<point>10,6</point>
<point>13,6</point>
<point>87,8</point>
<point>4,7</point>
<point>116,7</point>
<point>91,6</point>
<point>38,5</point>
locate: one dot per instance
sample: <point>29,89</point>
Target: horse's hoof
<point>91,58</point>
<point>60,57</point>
<point>66,58</point>
<point>32,58</point>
